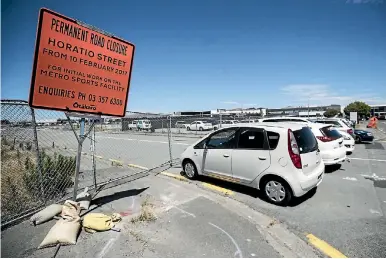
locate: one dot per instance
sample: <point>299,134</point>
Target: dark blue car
<point>363,135</point>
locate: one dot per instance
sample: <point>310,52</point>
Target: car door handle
<point>225,155</point>
<point>262,158</point>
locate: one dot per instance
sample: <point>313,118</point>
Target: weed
<point>146,214</point>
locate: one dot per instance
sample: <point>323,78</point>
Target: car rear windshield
<point>330,132</point>
<point>306,140</point>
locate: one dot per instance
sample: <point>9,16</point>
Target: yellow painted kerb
<point>138,166</point>
<point>217,188</point>
<point>178,177</point>
<point>324,247</point>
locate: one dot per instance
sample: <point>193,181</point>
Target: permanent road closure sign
<point>78,69</point>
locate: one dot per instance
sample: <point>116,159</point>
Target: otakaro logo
<point>84,106</point>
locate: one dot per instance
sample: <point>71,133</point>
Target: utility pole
<point>308,109</point>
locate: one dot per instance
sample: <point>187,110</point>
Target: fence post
<point>92,147</point>
<point>38,157</point>
<point>170,141</point>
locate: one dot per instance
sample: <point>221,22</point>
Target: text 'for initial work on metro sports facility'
<point>79,69</point>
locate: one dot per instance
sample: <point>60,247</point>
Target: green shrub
<point>54,176</point>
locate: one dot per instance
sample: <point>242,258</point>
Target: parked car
<point>143,125</point>
<point>200,125</point>
<point>339,124</point>
<point>248,121</point>
<point>363,136</point>
<point>224,124</point>
<point>282,161</point>
<point>132,125</point>
<point>330,143</point>
<point>348,142</point>
<point>181,124</point>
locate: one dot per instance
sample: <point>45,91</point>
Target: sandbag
<point>99,222</point>
<point>71,211</point>
<point>84,199</point>
<point>63,232</point>
<point>46,214</point>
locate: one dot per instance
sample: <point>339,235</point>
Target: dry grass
<point>14,194</point>
<point>147,212</point>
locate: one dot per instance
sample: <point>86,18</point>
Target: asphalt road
<point>347,210</point>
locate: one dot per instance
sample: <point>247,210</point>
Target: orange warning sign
<point>79,69</point>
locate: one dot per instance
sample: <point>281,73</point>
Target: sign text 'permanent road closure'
<point>79,69</point>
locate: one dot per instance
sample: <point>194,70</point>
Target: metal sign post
<point>82,136</point>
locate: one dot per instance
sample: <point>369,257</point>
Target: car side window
<point>224,139</point>
<point>273,139</point>
<point>251,138</point>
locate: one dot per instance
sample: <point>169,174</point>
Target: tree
<point>330,113</point>
<point>360,107</point>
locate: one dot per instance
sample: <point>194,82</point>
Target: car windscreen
<point>330,132</point>
<point>306,140</point>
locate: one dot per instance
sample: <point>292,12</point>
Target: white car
<point>339,124</point>
<point>348,141</point>
<point>281,160</point>
<point>199,125</point>
<point>225,124</point>
<point>248,121</point>
<point>330,143</point>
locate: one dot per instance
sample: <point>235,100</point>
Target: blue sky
<point>207,54</point>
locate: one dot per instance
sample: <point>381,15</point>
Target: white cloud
<point>319,94</point>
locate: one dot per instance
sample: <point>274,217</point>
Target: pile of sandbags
<point>66,229</point>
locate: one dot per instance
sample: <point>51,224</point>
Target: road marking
<point>350,178</point>
<point>185,212</point>
<point>367,159</point>
<point>238,251</point>
<point>217,188</point>
<point>324,247</point>
<point>138,166</point>
<point>374,211</point>
<point>106,247</point>
<point>178,177</point>
<point>100,157</point>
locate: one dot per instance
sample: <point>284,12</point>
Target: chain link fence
<point>38,156</point>
<point>39,148</point>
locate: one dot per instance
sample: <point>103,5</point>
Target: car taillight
<point>349,131</point>
<point>324,138</point>
<point>293,150</point>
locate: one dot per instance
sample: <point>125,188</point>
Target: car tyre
<point>190,169</point>
<point>276,191</point>
<point>188,128</point>
<point>358,139</point>
<point>201,129</point>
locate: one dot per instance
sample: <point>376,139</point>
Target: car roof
<point>285,117</point>
<point>273,125</point>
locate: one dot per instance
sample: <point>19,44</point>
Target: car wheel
<point>277,191</point>
<point>190,170</point>
<point>201,129</point>
<point>215,128</point>
<point>188,128</point>
<point>358,139</point>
